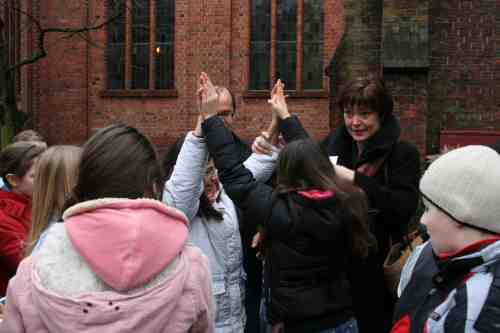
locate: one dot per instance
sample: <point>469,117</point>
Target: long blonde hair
<point>56,173</point>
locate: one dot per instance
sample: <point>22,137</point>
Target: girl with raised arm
<point>313,226</point>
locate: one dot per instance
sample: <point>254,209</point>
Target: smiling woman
<point>371,157</point>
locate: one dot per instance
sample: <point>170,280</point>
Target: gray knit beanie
<point>465,184</point>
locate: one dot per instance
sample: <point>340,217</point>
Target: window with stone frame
<point>140,45</point>
<point>287,42</point>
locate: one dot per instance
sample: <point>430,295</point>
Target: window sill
<point>289,93</point>
<point>139,93</point>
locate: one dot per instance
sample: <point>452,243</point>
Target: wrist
<point>197,133</point>
<point>284,115</point>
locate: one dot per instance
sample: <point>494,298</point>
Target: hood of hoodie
<point>136,247</point>
<point>126,242</point>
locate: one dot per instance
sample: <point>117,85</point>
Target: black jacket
<point>392,192</point>
<point>306,249</point>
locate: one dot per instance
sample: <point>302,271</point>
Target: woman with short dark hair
<point>370,155</point>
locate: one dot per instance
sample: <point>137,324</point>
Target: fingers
<point>256,239</point>
<point>275,87</point>
<point>262,146</point>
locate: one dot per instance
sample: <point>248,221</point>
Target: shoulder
<point>21,282</point>
<point>405,149</point>
<point>409,266</point>
<point>195,257</point>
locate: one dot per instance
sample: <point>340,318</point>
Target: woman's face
<point>361,122</point>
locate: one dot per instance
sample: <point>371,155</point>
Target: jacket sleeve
<point>184,188</point>
<point>399,198</point>
<point>261,165</point>
<point>252,197</point>
<point>291,128</point>
<point>13,236</point>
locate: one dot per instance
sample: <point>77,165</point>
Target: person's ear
<point>12,179</point>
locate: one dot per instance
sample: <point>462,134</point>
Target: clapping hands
<point>278,100</point>
<point>208,96</point>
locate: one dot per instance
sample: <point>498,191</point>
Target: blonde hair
<point>56,174</point>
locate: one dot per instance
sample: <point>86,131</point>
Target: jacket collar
<point>470,259</point>
<point>376,146</point>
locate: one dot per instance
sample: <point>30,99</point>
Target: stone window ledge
<point>139,93</point>
<point>289,93</point>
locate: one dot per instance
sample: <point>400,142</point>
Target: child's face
<point>24,185</point>
<point>441,229</point>
<point>211,181</point>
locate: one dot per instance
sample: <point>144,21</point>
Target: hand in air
<point>208,96</point>
<point>278,100</point>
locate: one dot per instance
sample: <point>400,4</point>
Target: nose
<point>356,120</point>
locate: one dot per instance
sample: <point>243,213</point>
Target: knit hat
<point>465,184</point>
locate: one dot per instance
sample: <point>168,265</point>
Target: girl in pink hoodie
<point>119,262</point>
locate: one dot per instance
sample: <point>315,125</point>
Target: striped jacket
<point>461,294</point>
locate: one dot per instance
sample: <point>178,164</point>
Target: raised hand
<point>278,100</point>
<point>208,96</point>
<point>262,145</point>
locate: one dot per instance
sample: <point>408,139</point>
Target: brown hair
<point>117,162</point>
<point>367,91</point>
<point>55,178</point>
<point>303,165</point>
<point>28,135</point>
<point>17,158</point>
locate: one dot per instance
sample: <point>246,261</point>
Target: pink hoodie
<point>149,280</point>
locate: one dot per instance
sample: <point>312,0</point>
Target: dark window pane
<point>140,44</point>
<point>260,57</point>
<point>115,48</point>
<point>286,44</point>
<point>260,46</point>
<point>286,64</point>
<point>312,67</point>
<point>164,49</point>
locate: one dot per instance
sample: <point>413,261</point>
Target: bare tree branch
<point>41,51</point>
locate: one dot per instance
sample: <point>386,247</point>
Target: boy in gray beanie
<point>452,282</point>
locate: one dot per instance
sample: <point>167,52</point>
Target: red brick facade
<point>66,91</point>
<point>212,36</point>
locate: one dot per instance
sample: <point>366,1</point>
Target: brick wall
<point>464,72</point>
<point>461,88</point>
<point>212,36</point>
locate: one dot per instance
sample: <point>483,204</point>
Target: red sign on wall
<point>460,138</point>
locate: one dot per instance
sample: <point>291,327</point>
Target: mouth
<point>358,132</point>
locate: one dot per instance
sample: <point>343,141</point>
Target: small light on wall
<point>158,50</point>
